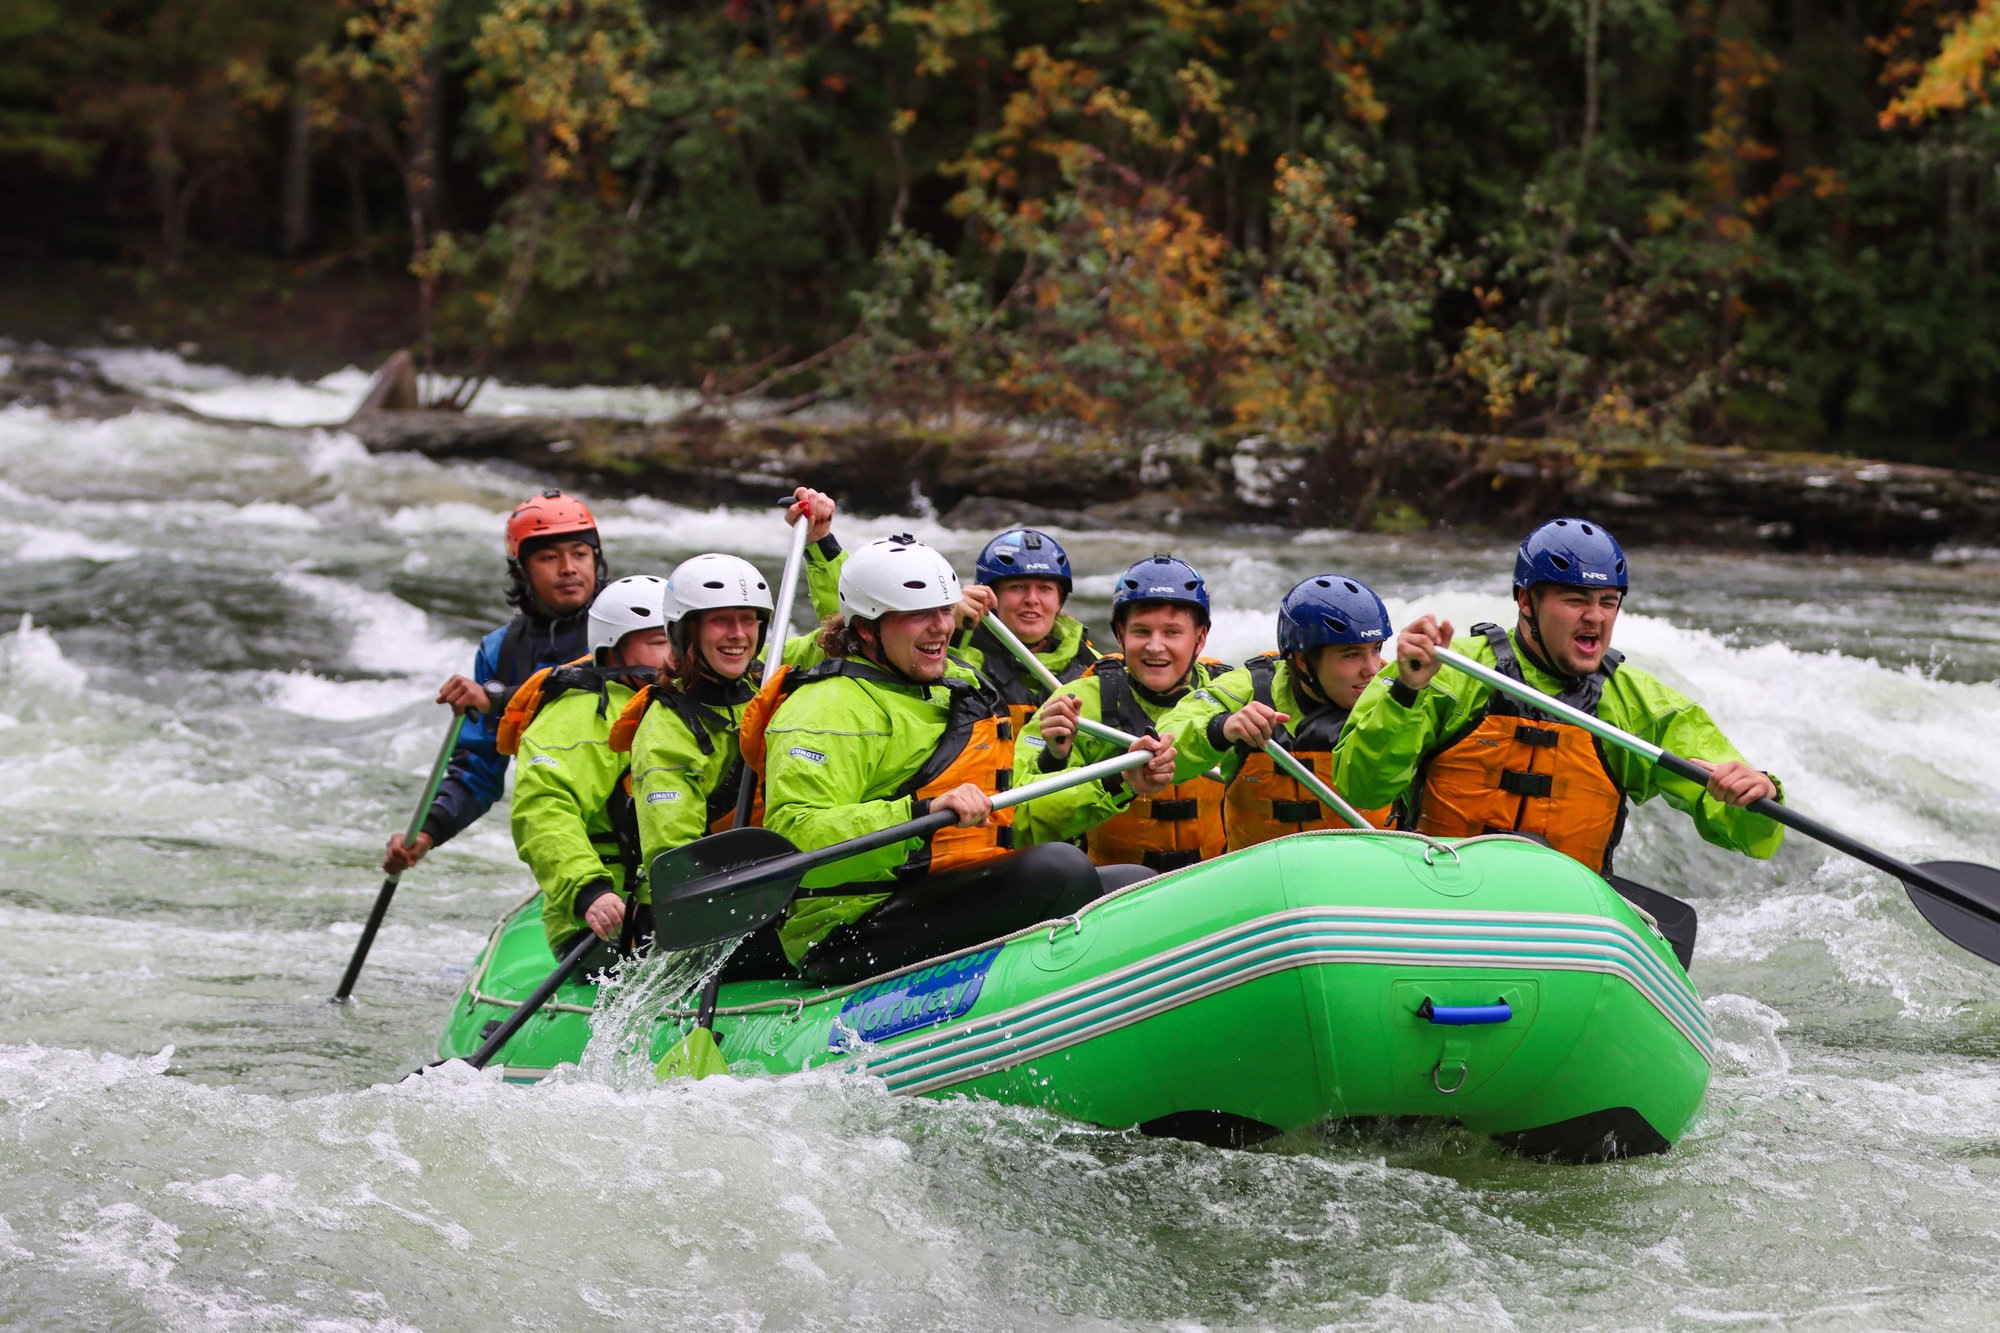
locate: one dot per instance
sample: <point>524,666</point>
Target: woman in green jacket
<point>571,817</point>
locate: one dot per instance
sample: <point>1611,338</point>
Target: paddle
<point>776,633</point>
<point>530,1006</point>
<point>731,883</point>
<point>381,907</point>
<point>1961,899</point>
<point>1026,656</point>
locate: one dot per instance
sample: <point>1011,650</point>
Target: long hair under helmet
<point>541,521</point>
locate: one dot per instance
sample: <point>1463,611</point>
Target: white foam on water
<point>386,632</point>
<point>36,680</point>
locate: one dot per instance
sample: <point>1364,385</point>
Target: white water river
<point>217,648</point>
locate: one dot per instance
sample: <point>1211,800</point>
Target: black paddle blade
<point>1677,919</point>
<point>1963,925</point>
<point>719,887</point>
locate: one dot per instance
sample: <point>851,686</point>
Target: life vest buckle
<point>1547,738</point>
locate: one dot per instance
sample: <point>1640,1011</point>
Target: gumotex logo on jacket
<point>919,999</point>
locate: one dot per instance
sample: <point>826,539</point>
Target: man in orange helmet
<point>555,566</point>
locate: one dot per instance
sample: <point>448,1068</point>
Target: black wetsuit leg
<point>939,913</point>
<point>1123,875</point>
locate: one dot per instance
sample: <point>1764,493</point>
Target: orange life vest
<point>1515,769</point>
<point>976,747</point>
<point>703,721</point>
<point>532,695</point>
<point>1264,802</point>
<point>1172,828</point>
<point>1020,689</point>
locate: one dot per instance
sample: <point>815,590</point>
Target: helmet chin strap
<point>1306,680</point>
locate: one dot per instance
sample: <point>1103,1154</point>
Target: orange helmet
<point>550,514</point>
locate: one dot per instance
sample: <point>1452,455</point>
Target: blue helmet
<point>1023,553</point>
<point>1330,608</point>
<point>1160,578</point>
<point>1571,552</point>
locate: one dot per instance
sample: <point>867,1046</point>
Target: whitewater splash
<point>220,709</point>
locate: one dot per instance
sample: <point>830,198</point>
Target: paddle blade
<point>720,887</point>
<point>1965,925</point>
<point>694,1056</point>
<point>1676,919</point>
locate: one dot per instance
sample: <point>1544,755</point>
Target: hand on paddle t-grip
<point>1253,725</point>
<point>1416,650</point>
<point>401,855</point>
<point>817,508</point>
<point>1736,782</point>
<point>1058,720</point>
<point>967,801</point>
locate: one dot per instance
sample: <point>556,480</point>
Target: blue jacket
<point>478,772</point>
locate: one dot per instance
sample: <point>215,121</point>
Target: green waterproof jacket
<point>1195,724</point>
<point>675,774</point>
<point>1067,815</point>
<point>838,751</point>
<point>1391,734</point>
<point>1069,654</point>
<point>566,776</point>
<point>824,559</point>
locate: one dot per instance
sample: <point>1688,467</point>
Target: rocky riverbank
<point>986,477</point>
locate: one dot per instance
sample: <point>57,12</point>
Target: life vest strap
<point>1546,737</point>
<point>1172,812</point>
<point>1162,862</point>
<point>1295,812</point>
<point>1517,783</point>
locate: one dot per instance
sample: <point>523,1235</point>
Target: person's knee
<point>1112,878</point>
<point>1058,875</point>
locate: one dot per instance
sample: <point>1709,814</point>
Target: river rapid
<point>216,661</point>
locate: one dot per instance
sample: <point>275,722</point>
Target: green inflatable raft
<point>1318,977</point>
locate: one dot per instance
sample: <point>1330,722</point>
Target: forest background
<point>1639,222</point>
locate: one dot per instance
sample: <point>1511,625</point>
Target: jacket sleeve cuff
<point>1216,740</point>
<point>1116,787</point>
<point>589,894</point>
<point>919,806</point>
<point>827,546</point>
<point>1404,696</point>
<point>1048,762</point>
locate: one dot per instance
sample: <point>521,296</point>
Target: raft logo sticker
<point>919,999</point>
<point>801,752</point>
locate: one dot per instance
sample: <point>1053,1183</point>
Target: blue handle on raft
<point>1464,1015</point>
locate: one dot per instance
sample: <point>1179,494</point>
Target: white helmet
<point>896,574</point>
<point>708,582</point>
<point>628,604</point>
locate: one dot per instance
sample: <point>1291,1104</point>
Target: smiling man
<point>1470,760</point>
<point>1160,614</point>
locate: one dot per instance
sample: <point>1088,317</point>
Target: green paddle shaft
<point>388,891</point>
<point>1910,875</point>
<point>1088,726</point>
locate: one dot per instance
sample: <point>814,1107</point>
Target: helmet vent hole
<point>1321,583</point>
<point>1621,566</point>
<point>1560,562</point>
<point>1587,530</point>
<point>712,583</point>
<point>916,584</point>
<point>1352,587</point>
